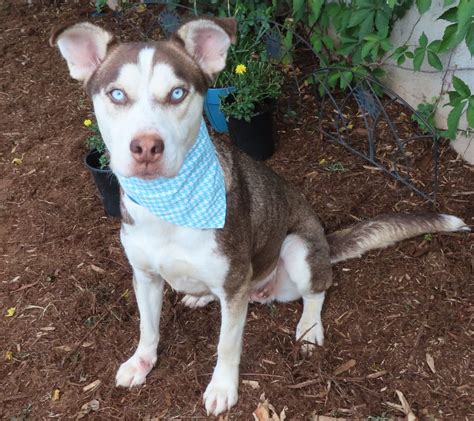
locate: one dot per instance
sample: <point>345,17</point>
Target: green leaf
<point>454,97</point>
<point>366,27</point>
<point>358,17</point>
<point>434,46</point>
<point>391,3</point>
<point>470,112</point>
<point>367,48</point>
<point>449,37</point>
<point>381,22</point>
<point>298,9</point>
<point>434,60</point>
<point>418,58</point>
<point>316,42</point>
<point>332,80</point>
<point>409,54</point>
<point>448,2</point>
<point>465,14</point>
<point>315,7</point>
<point>423,5</point>
<point>328,42</point>
<point>401,59</point>
<point>450,15</point>
<point>453,120</point>
<point>461,87</point>
<point>423,40</point>
<point>346,78</point>
<point>470,39</point>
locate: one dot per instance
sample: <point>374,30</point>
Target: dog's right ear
<point>83,46</point>
<point>207,41</point>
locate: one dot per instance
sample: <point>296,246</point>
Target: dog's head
<point>147,96</point>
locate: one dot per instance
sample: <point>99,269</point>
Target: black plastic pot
<point>257,137</point>
<point>106,182</point>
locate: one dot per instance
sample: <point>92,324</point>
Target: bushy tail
<point>385,230</point>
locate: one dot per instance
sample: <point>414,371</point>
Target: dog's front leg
<point>222,392</point>
<point>149,295</point>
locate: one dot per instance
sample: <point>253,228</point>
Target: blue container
<point>212,104</point>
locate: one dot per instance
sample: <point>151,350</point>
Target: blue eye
<point>118,96</point>
<point>177,95</point>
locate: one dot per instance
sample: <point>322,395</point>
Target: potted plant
<point>97,162</point>
<point>249,107</point>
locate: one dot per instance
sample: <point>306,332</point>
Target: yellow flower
<point>240,69</point>
<point>87,122</point>
<point>10,312</point>
<point>8,356</point>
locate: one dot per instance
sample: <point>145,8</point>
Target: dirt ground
<point>396,320</point>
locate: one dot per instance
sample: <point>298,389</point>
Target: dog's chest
<point>188,259</point>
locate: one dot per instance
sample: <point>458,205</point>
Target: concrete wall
<point>422,86</point>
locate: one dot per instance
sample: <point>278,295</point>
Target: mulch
<point>398,319</point>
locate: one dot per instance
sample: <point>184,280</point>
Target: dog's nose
<point>147,147</point>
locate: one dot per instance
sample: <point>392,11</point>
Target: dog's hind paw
<point>133,372</point>
<point>219,397</point>
<point>194,301</point>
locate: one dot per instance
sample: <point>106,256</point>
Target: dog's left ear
<point>207,41</point>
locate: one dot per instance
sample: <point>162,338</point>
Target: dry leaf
<point>93,405</point>
<point>266,411</point>
<point>344,367</point>
<point>55,395</point>
<point>17,161</point>
<point>377,374</point>
<point>92,386</point>
<point>8,356</point>
<point>252,383</point>
<point>406,406</point>
<point>65,348</point>
<point>10,312</point>
<point>97,269</point>
<point>430,362</point>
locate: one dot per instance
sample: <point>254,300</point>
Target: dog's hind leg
<point>149,295</point>
<point>306,262</point>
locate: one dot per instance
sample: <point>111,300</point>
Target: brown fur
<point>262,209</point>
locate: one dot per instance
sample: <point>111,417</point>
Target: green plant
<point>426,110</point>
<point>95,142</point>
<point>255,77</point>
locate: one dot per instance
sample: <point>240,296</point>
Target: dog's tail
<point>385,230</point>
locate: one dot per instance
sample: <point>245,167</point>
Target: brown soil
<point>75,321</point>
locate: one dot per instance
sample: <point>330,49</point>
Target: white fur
<point>453,223</point>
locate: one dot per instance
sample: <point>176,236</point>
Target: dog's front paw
<point>133,372</point>
<point>194,301</point>
<point>310,336</point>
<point>220,396</point>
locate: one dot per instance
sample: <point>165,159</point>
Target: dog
<point>148,101</point>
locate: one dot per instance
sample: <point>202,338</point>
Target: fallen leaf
<point>266,411</point>
<point>17,161</point>
<point>88,407</point>
<point>406,406</point>
<point>252,383</point>
<point>377,374</point>
<point>344,367</point>
<point>430,362</point>
<point>11,312</point>
<point>8,356</point>
<point>92,386</point>
<point>97,269</point>
<point>55,395</point>
<point>65,348</point>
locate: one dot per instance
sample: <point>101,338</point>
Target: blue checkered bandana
<point>195,197</point>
